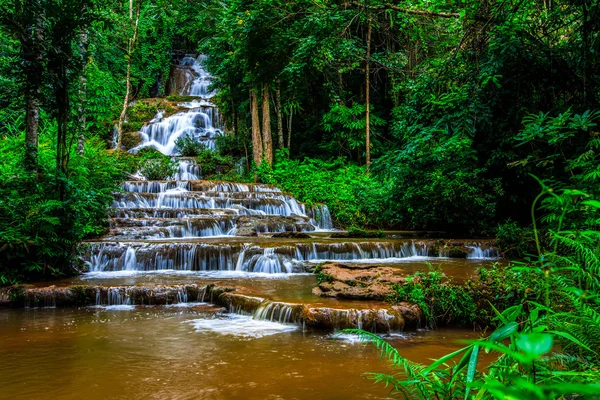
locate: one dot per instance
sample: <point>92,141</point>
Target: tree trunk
<point>267,138</point>
<point>234,118</point>
<point>32,60</point>
<point>289,133</point>
<point>279,117</point>
<point>83,45</point>
<point>130,48</point>
<point>367,94</point>
<point>31,130</point>
<point>61,92</point>
<point>257,146</point>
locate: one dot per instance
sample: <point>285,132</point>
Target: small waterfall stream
<point>201,122</point>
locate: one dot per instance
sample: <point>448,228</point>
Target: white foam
<point>122,307</point>
<point>186,305</point>
<point>353,339</point>
<point>241,326</point>
<point>391,260</point>
<point>201,274</point>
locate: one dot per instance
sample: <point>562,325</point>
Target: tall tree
<point>279,116</point>
<point>131,45</point>
<point>367,95</point>
<point>24,19</point>
<point>257,145</point>
<point>266,129</point>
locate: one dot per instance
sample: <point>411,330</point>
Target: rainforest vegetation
<point>472,118</point>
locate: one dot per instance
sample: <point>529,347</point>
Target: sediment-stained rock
<point>364,282</point>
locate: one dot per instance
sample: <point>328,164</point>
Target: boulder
<point>356,281</point>
<point>291,235</point>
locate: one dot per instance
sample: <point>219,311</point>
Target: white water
<point>202,122</point>
<point>240,326</point>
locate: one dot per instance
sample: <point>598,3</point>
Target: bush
<point>515,242</point>
<point>445,302</point>
<point>187,146</point>
<point>45,215</point>
<point>353,197</point>
<point>213,163</point>
<point>155,166</point>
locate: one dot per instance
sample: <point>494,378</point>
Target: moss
<point>141,111</point>
<point>178,98</point>
<point>16,296</point>
<point>130,140</point>
<point>83,295</point>
<point>355,232</point>
<point>321,276</point>
<point>132,126</point>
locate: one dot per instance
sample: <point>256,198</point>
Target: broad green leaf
<point>503,332</point>
<point>534,344</point>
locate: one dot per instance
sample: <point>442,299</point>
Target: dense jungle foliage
<point>425,115</point>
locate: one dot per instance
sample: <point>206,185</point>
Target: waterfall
<point>201,122</point>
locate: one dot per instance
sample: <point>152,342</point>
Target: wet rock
<point>130,140</point>
<point>251,225</point>
<point>375,320</point>
<point>292,235</point>
<point>239,303</point>
<point>360,282</point>
<point>179,78</point>
<point>412,314</point>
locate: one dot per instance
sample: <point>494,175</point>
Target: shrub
<point>158,169</point>
<point>515,242</point>
<point>187,146</point>
<point>213,163</point>
<point>353,197</point>
<point>45,215</point>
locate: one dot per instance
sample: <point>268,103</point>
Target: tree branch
<point>425,13</point>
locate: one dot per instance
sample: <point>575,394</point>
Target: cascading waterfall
<point>201,122</point>
<point>149,219</point>
<point>291,258</point>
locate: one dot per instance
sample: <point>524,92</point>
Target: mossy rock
<point>291,235</point>
<point>130,139</point>
<point>458,252</point>
<point>132,126</point>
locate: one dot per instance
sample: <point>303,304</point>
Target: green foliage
<point>141,112</point>
<point>153,165</point>
<point>214,164</point>
<point>554,301</point>
<point>347,126</point>
<point>524,369</point>
<point>515,242</point>
<point>39,228</point>
<point>187,146</point>
<point>354,198</point>
<point>445,302</point>
<point>357,232</point>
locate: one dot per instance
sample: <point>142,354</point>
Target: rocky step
<point>150,212</point>
<point>270,206</point>
<point>376,317</point>
<point>197,186</point>
<point>204,226</point>
<point>275,256</point>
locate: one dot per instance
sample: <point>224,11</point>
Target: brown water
<point>157,353</point>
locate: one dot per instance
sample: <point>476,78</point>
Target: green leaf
<point>504,332</point>
<point>535,344</point>
<point>471,370</point>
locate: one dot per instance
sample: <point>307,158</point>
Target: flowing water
<point>188,353</point>
<point>180,245</point>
